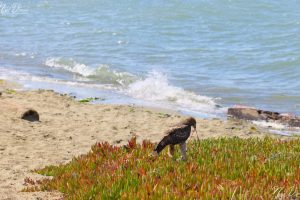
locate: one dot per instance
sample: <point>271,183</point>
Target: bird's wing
<point>174,136</point>
<point>179,134</point>
<point>173,129</point>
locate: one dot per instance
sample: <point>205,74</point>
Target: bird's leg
<point>183,150</point>
<point>171,151</point>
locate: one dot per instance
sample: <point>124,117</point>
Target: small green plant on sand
<point>163,115</point>
<point>90,99</point>
<point>10,91</point>
<point>225,168</point>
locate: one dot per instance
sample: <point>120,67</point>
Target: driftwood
<point>19,111</point>
<point>248,113</point>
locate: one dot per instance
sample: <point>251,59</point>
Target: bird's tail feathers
<point>162,144</point>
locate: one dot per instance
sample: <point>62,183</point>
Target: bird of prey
<point>177,135</point>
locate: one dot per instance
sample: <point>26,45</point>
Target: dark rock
<point>247,113</point>
<point>269,114</point>
<point>294,122</point>
<point>30,115</point>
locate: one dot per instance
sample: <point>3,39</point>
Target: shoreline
<point>68,128</point>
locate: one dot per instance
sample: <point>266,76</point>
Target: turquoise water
<point>198,57</point>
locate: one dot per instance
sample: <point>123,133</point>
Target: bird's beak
<point>195,129</point>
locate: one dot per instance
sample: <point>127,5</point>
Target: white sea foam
<point>156,87</point>
<point>70,65</point>
<point>277,128</point>
<point>21,54</point>
<point>24,54</point>
<point>26,77</point>
<point>269,124</point>
<point>101,73</point>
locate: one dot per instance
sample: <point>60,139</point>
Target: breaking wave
<point>70,65</point>
<point>156,87</point>
<point>101,73</point>
<point>25,78</point>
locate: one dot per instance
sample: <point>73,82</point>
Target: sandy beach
<point>68,128</point>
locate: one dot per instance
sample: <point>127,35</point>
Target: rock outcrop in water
<point>248,113</point>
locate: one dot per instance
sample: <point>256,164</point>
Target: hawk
<point>177,135</point>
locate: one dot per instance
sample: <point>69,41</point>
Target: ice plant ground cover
<point>224,168</point>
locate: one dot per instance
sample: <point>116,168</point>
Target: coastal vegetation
<point>90,99</point>
<point>10,91</point>
<point>224,168</point>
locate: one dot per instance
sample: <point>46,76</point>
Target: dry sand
<point>68,128</point>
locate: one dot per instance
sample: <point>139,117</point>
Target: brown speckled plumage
<point>177,135</point>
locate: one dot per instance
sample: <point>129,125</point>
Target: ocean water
<point>196,57</point>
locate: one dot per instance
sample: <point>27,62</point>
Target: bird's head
<point>191,121</point>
